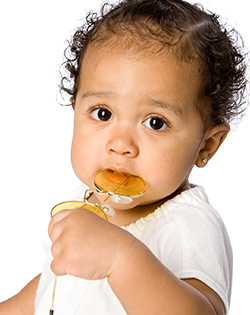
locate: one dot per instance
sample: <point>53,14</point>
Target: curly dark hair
<point>193,34</point>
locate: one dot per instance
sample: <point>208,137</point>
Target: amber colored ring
<point>119,183</point>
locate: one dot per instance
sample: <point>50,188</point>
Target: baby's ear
<point>212,140</point>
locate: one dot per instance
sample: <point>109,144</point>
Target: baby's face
<point>137,114</point>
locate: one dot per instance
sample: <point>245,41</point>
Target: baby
<point>154,85</point>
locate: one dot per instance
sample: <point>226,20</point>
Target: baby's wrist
<point>127,246</point>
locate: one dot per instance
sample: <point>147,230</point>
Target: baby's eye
<point>102,114</point>
<point>155,123</point>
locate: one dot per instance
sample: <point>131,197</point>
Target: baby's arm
<point>23,302</point>
<point>145,286</point>
<point>86,246</point>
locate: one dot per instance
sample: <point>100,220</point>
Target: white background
<point>35,169</point>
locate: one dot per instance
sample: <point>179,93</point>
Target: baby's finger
<point>56,219</point>
<point>55,230</point>
<point>57,266</point>
<point>62,257</point>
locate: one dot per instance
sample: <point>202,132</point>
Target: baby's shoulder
<point>188,213</point>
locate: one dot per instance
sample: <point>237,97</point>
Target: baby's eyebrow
<point>177,110</point>
<point>97,94</point>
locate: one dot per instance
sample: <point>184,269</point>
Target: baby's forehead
<point>138,76</point>
<point>140,49</point>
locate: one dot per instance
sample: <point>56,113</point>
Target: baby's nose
<point>122,142</point>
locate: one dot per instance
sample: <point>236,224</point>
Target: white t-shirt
<point>186,234</point>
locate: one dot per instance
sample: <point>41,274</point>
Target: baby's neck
<point>126,217</point>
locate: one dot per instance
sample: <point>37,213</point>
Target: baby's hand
<point>84,245</point>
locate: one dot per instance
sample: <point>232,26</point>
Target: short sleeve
<point>192,242</point>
